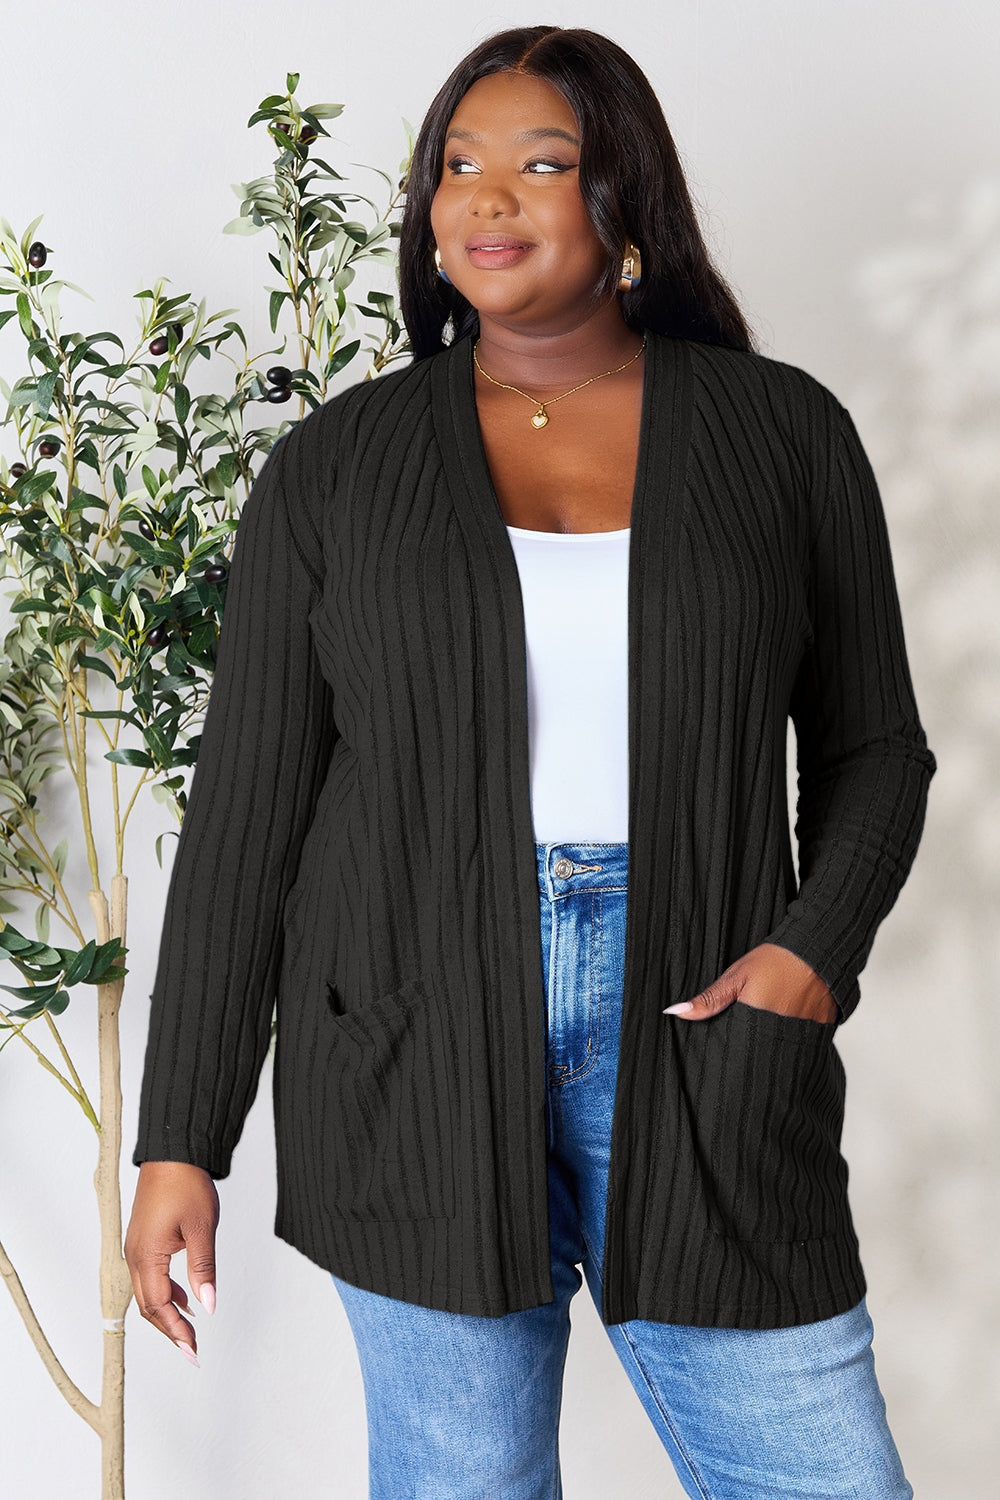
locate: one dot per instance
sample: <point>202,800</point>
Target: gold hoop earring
<point>631,268</point>
<point>440,268</point>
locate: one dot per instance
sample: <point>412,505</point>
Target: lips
<point>495,242</point>
<point>495,252</point>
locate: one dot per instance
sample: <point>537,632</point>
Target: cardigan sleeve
<point>862,758</point>
<point>265,745</point>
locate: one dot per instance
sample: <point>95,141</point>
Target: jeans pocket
<point>389,1105</point>
<point>775,1123</point>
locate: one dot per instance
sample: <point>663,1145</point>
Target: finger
<point>201,1263</point>
<point>711,1002</point>
<point>154,1296</point>
<point>181,1298</point>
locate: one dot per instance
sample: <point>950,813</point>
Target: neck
<point>546,359</point>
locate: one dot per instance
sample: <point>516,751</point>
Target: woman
<point>510,647</point>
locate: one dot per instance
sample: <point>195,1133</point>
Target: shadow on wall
<point>932,408</point>
<point>926,1119</point>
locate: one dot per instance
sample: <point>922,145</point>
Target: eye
<point>537,166</point>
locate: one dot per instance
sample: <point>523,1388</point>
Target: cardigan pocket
<point>389,1104</point>
<point>777,1172</point>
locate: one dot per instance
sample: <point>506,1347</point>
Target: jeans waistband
<point>565,868</point>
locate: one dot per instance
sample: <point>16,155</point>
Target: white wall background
<point>846,158</point>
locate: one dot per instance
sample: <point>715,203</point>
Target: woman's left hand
<point>770,978</point>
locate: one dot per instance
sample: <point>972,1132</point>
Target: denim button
<point>563,868</point>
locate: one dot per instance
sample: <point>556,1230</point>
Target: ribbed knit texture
<point>358,846</point>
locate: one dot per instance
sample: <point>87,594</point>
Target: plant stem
<point>50,1067</point>
<point>116,1283</point>
<point>78,726</point>
<point>88,1108</point>
<point>77,1400</point>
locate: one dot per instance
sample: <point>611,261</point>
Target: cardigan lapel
<point>657,505</point>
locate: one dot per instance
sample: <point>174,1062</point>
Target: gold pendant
<point>541,417</point>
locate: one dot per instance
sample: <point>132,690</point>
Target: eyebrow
<point>537,133</point>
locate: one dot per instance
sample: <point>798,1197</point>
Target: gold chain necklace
<point>540,417</point>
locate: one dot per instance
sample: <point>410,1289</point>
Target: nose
<point>491,200</point>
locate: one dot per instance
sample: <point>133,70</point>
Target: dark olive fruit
<point>37,254</point>
<point>279,375</point>
<point>146,529</point>
<point>178,330</point>
<point>159,344</point>
<point>49,448</point>
<point>278,393</point>
<point>157,635</point>
<point>308,135</point>
<point>17,470</point>
<point>216,573</point>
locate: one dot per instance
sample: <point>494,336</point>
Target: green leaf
<point>96,664</point>
<point>42,916</point>
<point>79,965</point>
<point>103,337</point>
<point>342,357</point>
<point>5,317</point>
<point>292,82</point>
<point>105,970</point>
<point>29,235</point>
<point>130,757</point>
<point>241,226</point>
<point>22,992</point>
<point>136,609</point>
<point>44,392</point>
<point>227,469</point>
<point>24,315</point>
<point>169,306</point>
<point>45,995</point>
<point>277,298</point>
<point>325,111</point>
<point>31,606</point>
<point>182,401</point>
<point>121,482</point>
<point>14,941</point>
<point>158,846</point>
<point>33,486</point>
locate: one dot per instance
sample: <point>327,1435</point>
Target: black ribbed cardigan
<point>358,848</point>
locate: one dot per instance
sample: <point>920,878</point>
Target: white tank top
<point>574,587</point>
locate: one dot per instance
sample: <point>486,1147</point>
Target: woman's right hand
<point>176,1207</point>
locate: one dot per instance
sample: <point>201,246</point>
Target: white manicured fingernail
<point>682,1009</point>
<point>187,1352</point>
<point>206,1296</point>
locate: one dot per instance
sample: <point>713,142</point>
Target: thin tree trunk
<point>115,1281</point>
<point>80,1403</point>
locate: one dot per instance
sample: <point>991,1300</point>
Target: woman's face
<point>510,178</point>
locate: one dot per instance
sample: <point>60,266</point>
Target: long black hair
<point>631,181</point>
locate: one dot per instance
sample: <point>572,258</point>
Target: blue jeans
<point>467,1408</point>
